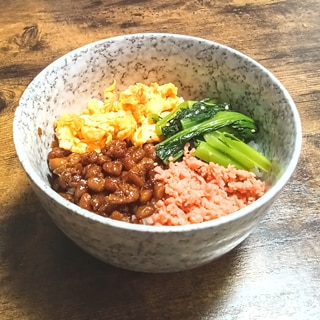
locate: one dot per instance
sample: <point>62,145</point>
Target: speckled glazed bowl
<point>199,68</point>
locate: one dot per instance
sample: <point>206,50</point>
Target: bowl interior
<point>199,68</point>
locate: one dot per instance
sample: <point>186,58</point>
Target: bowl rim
<point>271,194</point>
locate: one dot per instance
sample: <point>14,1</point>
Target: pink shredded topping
<point>196,191</point>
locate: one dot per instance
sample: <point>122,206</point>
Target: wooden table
<point>274,274</point>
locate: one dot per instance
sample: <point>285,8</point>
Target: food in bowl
<point>126,118</point>
<point>152,158</point>
<point>199,68</point>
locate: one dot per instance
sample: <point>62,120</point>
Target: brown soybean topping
<point>119,182</point>
<point>57,152</point>
<point>128,193</point>
<point>55,163</point>
<point>84,201</point>
<point>74,158</point>
<point>150,151</point>
<point>136,178</point>
<point>96,201</point>
<point>117,215</point>
<point>102,158</point>
<point>113,168</point>
<point>96,184</point>
<point>145,195</point>
<point>81,188</point>
<point>92,170</point>
<point>116,150</point>
<point>67,196</point>
<point>144,211</point>
<point>111,184</point>
<point>158,190</point>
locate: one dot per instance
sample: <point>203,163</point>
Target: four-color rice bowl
<point>199,68</point>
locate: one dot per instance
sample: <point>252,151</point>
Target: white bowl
<point>198,68</point>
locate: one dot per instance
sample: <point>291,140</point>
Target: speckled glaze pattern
<point>199,68</point>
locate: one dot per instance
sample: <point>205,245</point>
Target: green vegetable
<point>163,122</point>
<point>187,114</point>
<point>208,154</point>
<point>173,146</point>
<point>231,151</point>
<point>154,117</point>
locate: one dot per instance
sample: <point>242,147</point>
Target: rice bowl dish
<point>79,76</point>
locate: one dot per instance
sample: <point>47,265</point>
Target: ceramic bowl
<point>199,68</point>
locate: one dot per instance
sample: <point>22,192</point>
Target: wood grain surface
<point>274,274</point>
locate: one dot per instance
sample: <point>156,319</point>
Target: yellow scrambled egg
<point>127,117</point>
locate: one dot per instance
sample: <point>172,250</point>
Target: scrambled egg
<point>125,118</point>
